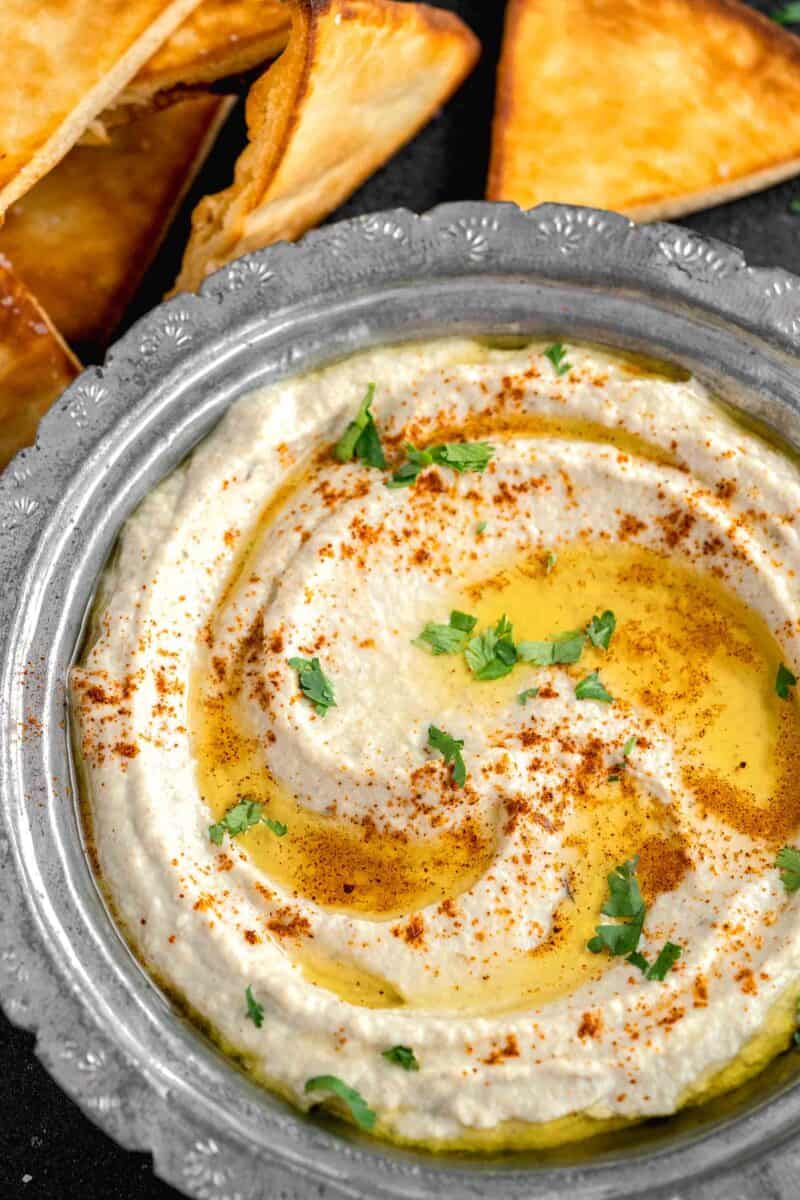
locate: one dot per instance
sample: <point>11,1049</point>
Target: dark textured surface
<point>48,1150</point>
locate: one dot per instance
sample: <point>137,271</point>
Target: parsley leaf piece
<point>440,639</point>
<point>277,827</point>
<point>638,960</point>
<point>462,621</point>
<point>238,819</point>
<point>788,863</point>
<point>794,205</point>
<point>550,561</point>
<point>480,528</point>
<point>564,648</point>
<point>789,14</point>
<point>463,456</point>
<point>401,1056</point>
<point>556,353</point>
<point>600,630</point>
<point>460,456</point>
<point>446,639</point>
<point>360,1111</point>
<point>625,901</point>
<point>407,474</point>
<point>255,1011</point>
<point>492,654</point>
<point>527,695</point>
<point>629,746</point>
<point>314,684</point>
<point>450,748</point>
<point>668,955</point>
<point>590,688</point>
<point>783,681</point>
<point>361,438</point>
<point>620,940</point>
<point>241,817</point>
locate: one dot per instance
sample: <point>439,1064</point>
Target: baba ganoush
<point>438,730</point>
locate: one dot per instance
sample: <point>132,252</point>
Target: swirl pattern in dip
<point>397,909</point>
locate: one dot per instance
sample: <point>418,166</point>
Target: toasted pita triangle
<point>219,39</point>
<point>357,80</point>
<point>35,365</point>
<point>82,238</point>
<point>60,64</point>
<point>651,107</point>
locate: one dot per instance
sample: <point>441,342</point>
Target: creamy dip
<point>380,904</point>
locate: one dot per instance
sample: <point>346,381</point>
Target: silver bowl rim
<point>105,1034</point>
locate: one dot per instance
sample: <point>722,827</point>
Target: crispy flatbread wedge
<point>357,80</point>
<point>219,39</point>
<point>35,365</point>
<point>60,65</point>
<point>82,238</point>
<point>654,109</point>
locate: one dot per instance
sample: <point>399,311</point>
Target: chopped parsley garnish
<point>401,1056</point>
<point>241,817</point>
<point>622,940</point>
<point>627,749</point>
<point>447,639</point>
<point>360,1111</point>
<point>527,695</point>
<point>314,684</point>
<point>783,681</point>
<point>668,955</point>
<point>459,456</point>
<point>255,1011</point>
<point>794,205</point>
<point>590,688</point>
<point>600,630</point>
<point>788,863</point>
<point>550,561</point>
<point>565,648</point>
<point>480,528</point>
<point>450,748</point>
<point>492,654</point>
<point>789,14</point>
<point>556,353</point>
<point>361,439</point>
<point>625,901</point>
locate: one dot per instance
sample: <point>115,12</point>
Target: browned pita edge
<point>742,30</point>
<point>221,39</point>
<point>358,78</point>
<point>35,364</point>
<point>83,237</point>
<point>133,31</point>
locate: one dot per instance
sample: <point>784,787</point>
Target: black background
<point>43,1136</point>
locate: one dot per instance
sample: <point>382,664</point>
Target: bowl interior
<point>145,443</point>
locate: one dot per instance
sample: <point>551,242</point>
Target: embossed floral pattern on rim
<point>103,1031</point>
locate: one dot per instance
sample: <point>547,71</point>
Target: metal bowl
<point>105,1030</point>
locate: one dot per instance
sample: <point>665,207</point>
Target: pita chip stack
<point>35,365</point>
<point>61,65</point>
<point>357,80</point>
<point>654,108</point>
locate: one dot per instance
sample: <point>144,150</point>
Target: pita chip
<point>83,237</point>
<point>221,38</point>
<point>357,80</point>
<point>654,109</point>
<point>61,65</point>
<point>35,365</point>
